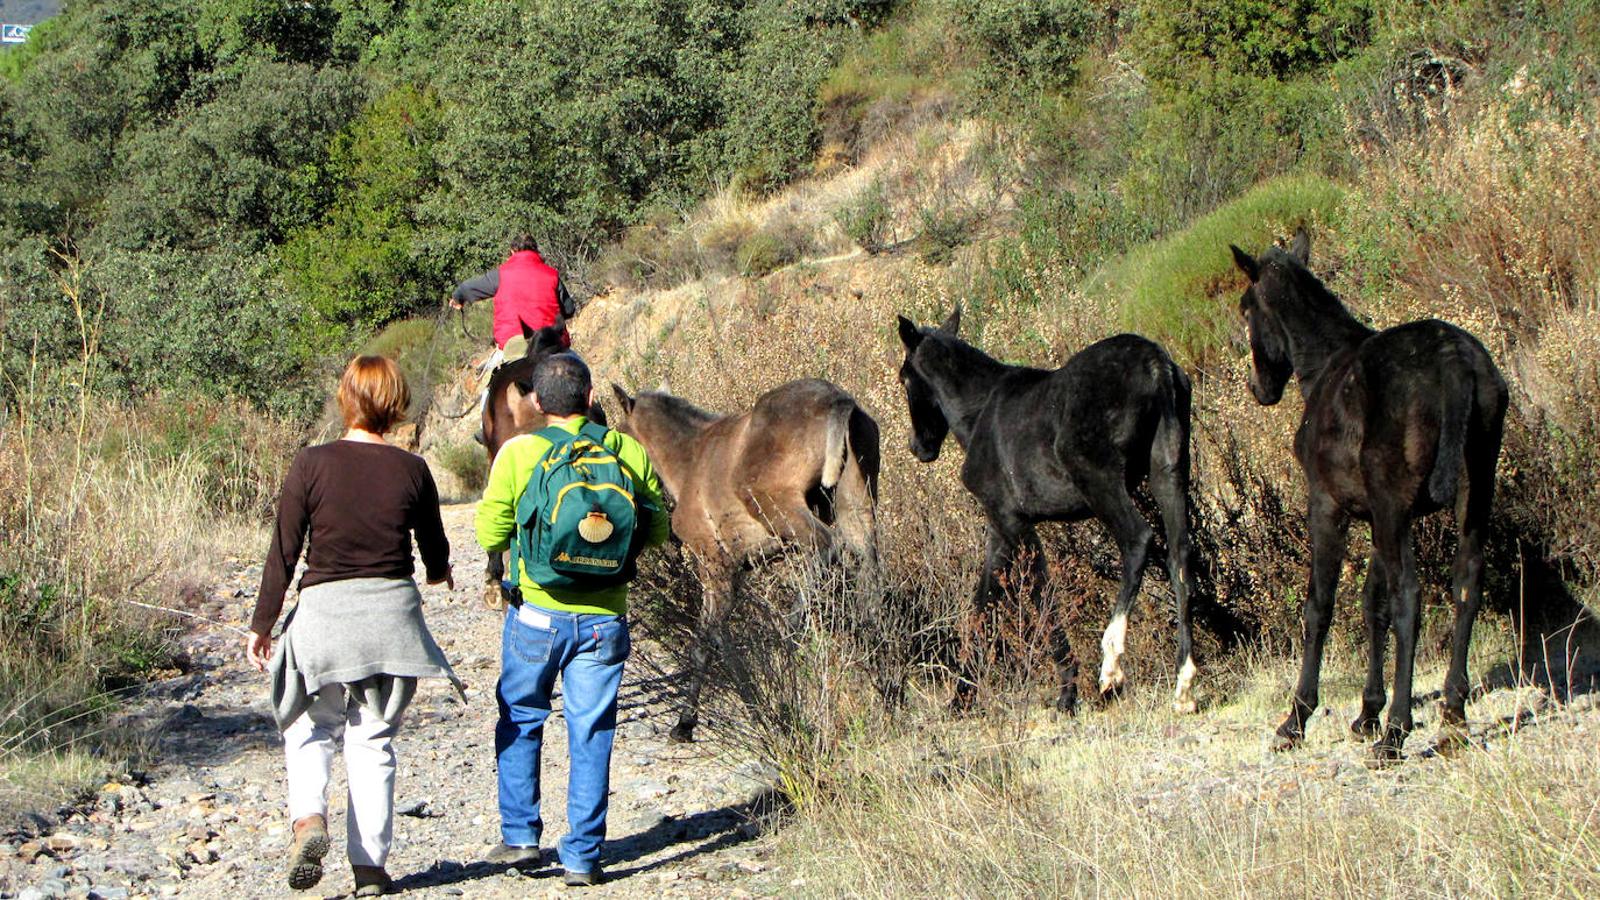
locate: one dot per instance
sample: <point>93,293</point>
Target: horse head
<point>929,426</point>
<point>1270,287</point>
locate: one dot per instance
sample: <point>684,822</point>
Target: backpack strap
<point>595,432</point>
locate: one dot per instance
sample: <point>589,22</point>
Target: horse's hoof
<point>1185,706</point>
<point>1286,738</point>
<point>1109,695</point>
<point>681,734</point>
<point>1067,703</point>
<point>1451,741</point>
<point>1385,753</point>
<point>1365,727</point>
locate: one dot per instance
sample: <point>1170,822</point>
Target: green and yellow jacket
<point>497,514</point>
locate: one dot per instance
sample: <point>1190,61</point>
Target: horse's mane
<point>1311,294</point>
<point>681,409</point>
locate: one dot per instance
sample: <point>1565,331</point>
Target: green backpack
<point>577,517</point>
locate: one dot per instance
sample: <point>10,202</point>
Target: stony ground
<point>206,817</point>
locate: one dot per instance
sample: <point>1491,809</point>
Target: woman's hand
<point>449,579</point>
<point>258,649</point>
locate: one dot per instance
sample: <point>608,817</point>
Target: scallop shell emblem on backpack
<point>595,527</point>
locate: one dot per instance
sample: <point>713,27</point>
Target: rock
<point>32,893</point>
<point>649,818</point>
<point>53,887</point>
<point>202,853</point>
<point>420,809</point>
<point>108,893</point>
<point>645,791</point>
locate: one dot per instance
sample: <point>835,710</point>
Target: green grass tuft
<point>1182,290</point>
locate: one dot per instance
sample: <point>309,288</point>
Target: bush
<point>868,220</point>
<point>945,229</point>
<point>468,463</point>
<point>779,242</point>
<point>1026,46</point>
<point>1181,290</point>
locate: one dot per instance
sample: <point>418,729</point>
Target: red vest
<point>527,296</point>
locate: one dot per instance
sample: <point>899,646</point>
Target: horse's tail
<point>836,447</point>
<point>1448,459</point>
<point>850,470</point>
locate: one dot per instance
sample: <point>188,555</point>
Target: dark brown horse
<point>508,412</point>
<point>1063,446</point>
<point>1398,424</point>
<point>799,469</point>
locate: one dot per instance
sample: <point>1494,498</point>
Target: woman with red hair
<point>350,652</point>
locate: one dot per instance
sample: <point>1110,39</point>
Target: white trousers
<point>369,761</point>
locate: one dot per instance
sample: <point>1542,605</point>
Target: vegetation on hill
<point>219,200</point>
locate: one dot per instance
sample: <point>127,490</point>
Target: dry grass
<point>1129,801</point>
<point>112,534</point>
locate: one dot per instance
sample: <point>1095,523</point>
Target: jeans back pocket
<point>532,645</point>
<point>612,642</point>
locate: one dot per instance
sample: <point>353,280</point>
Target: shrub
<point>945,229</point>
<point>867,219</point>
<point>1026,46</point>
<point>1181,290</point>
<point>467,462</point>
<point>780,241</point>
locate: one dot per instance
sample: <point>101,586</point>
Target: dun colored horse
<point>800,468</point>
<point>1062,446</point>
<point>1398,424</point>
<point>508,411</point>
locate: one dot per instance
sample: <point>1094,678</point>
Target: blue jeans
<point>588,652</point>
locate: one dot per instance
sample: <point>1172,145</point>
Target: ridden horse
<point>1062,446</point>
<point>800,468</point>
<point>508,412</point>
<point>1397,424</point>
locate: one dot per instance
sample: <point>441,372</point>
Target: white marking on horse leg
<point>1183,701</point>
<point>1111,676</point>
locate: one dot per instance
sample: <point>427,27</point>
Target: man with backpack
<point>575,503</point>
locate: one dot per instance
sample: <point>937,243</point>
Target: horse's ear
<point>623,398</point>
<point>953,323</point>
<point>1245,262</point>
<point>910,334</point>
<point>1300,249</point>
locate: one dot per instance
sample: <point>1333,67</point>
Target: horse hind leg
<point>720,585</point>
<point>1116,509</point>
<point>1375,610</point>
<point>1169,484</point>
<point>1466,595</point>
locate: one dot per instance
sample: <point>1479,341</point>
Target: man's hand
<point>449,579</point>
<point>258,649</point>
<point>454,303</point>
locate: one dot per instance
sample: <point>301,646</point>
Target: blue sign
<point>14,34</point>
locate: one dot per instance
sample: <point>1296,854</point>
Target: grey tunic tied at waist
<point>365,633</point>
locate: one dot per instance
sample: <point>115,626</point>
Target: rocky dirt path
<point>206,819</point>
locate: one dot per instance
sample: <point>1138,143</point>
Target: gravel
<point>207,819</point>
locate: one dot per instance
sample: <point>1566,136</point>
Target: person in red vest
<point>528,295</point>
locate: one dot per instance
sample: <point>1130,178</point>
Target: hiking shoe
<point>371,881</point>
<point>583,879</point>
<point>512,855</point>
<point>310,845</point>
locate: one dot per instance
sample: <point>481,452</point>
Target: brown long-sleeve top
<point>359,503</point>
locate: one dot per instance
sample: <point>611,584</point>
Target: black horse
<point>1063,446</point>
<point>507,413</point>
<point>1397,424</point>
